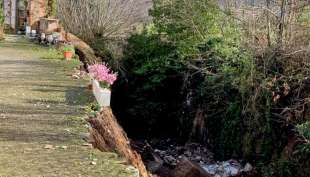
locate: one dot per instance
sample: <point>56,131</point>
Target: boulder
<point>186,168</point>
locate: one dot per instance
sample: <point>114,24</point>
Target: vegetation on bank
<point>236,82</point>
<point>197,74</point>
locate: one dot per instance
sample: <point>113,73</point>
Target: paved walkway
<point>41,118</point>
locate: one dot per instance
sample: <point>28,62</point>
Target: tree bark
<point>1,32</point>
<point>281,23</point>
<point>268,23</point>
<point>107,135</point>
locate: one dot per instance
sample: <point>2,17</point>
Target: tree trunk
<point>83,50</point>
<point>268,23</point>
<point>107,135</point>
<point>1,32</point>
<point>281,23</point>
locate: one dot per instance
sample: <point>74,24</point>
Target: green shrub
<point>304,129</point>
<point>51,8</point>
<point>1,13</point>
<point>68,48</point>
<point>279,168</point>
<point>153,85</point>
<point>192,58</point>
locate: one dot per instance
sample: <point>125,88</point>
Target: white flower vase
<point>102,95</point>
<point>28,31</point>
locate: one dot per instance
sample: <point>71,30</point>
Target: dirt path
<point>41,118</point>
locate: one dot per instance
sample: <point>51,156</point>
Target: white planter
<point>28,30</point>
<point>103,95</point>
<point>33,33</point>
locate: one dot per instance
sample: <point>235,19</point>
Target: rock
<point>3,116</point>
<point>211,169</point>
<point>153,166</point>
<point>247,168</point>
<point>198,158</point>
<point>87,144</point>
<point>75,76</point>
<point>170,160</point>
<point>156,164</point>
<point>188,153</point>
<point>186,168</point>
<point>48,146</point>
<point>224,169</point>
<point>231,169</point>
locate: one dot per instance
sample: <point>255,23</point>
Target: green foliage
<point>157,64</point>
<point>279,168</point>
<point>304,16</point>
<point>304,129</point>
<point>51,8</point>
<point>68,48</point>
<point>92,109</point>
<point>189,24</point>
<point>192,58</point>
<point>152,84</point>
<point>150,57</point>
<point>100,47</point>
<point>301,159</point>
<point>1,13</point>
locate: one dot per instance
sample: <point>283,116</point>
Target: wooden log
<point>107,135</point>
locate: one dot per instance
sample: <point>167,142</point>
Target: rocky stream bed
<point>163,156</point>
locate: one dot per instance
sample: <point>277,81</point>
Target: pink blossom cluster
<point>102,73</point>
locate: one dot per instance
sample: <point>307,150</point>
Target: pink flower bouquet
<point>103,74</point>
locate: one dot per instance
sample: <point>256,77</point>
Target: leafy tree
<point>191,47</point>
<point>206,53</point>
<point>200,30</point>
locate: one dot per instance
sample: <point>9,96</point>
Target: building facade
<point>19,13</point>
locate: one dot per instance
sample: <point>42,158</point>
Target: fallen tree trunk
<point>107,135</point>
<point>83,50</point>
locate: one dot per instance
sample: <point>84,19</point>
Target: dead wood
<point>108,135</point>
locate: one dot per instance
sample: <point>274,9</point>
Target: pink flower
<point>102,73</point>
